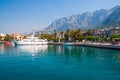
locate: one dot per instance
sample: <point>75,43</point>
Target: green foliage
<point>89,33</point>
<point>105,39</point>
<point>67,34</point>
<point>92,38</point>
<point>0,38</point>
<point>113,36</point>
<point>8,37</point>
<point>96,38</point>
<point>55,34</point>
<point>47,36</point>
<point>73,35</point>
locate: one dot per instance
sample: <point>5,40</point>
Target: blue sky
<point>17,16</point>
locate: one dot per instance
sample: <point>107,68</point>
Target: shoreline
<point>95,45</point>
<point>2,42</point>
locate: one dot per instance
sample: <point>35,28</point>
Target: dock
<point>95,45</point>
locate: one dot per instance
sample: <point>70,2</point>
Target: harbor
<point>59,40</point>
<point>95,45</point>
<point>58,62</point>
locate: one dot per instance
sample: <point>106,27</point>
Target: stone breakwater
<point>96,45</point>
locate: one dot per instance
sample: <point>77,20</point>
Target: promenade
<point>93,44</point>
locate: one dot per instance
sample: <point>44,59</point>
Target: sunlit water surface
<point>49,62</point>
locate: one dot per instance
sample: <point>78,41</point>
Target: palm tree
<point>89,33</point>
<point>62,36</point>
<point>73,34</point>
<point>55,34</point>
<point>8,37</point>
<point>79,33</point>
<point>67,35</point>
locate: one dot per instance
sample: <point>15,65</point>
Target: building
<point>2,36</point>
<point>115,31</point>
<point>17,36</point>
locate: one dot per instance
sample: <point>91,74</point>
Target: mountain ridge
<point>113,19</point>
<point>86,20</point>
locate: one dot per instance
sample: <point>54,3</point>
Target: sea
<point>56,62</point>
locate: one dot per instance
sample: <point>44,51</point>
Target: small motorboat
<point>67,44</point>
<point>7,43</point>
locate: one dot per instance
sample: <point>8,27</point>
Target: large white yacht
<point>31,41</point>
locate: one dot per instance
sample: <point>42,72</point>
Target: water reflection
<point>2,49</point>
<point>6,49</point>
<point>86,54</point>
<point>33,49</point>
<point>59,62</point>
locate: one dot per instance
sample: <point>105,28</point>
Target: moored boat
<point>31,41</point>
<point>67,44</point>
<point>7,43</point>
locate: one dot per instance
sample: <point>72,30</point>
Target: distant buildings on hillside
<point>108,31</point>
<point>104,32</point>
<point>2,36</point>
<point>17,36</point>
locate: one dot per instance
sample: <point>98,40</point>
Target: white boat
<point>67,44</point>
<point>31,41</point>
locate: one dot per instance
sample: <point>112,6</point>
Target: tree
<point>104,38</point>
<point>8,37</point>
<point>62,36</point>
<point>47,36</point>
<point>67,35</point>
<point>55,34</point>
<point>79,34</point>
<point>0,38</point>
<point>89,33</point>
<point>73,34</point>
<point>113,36</point>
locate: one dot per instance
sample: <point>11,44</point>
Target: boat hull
<point>67,44</point>
<point>30,43</point>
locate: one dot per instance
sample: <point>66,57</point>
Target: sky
<point>18,16</point>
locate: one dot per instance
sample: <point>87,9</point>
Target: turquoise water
<point>58,63</point>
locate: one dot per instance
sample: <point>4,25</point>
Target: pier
<point>95,45</point>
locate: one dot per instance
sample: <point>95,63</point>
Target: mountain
<point>113,19</point>
<point>87,20</point>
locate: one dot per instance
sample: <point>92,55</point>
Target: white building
<point>2,36</point>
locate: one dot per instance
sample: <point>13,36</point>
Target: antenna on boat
<point>33,34</point>
<point>40,33</point>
